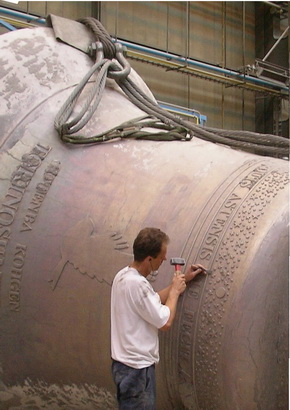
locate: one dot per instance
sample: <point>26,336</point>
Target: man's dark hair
<point>149,243</point>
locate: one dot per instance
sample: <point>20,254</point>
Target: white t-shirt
<point>136,316</point>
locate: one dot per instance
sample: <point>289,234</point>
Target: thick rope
<point>61,122</point>
<point>133,129</point>
<point>149,106</point>
<point>101,35</point>
<point>174,127</point>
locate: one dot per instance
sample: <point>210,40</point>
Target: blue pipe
<point>190,62</point>
<point>186,111</point>
<point>22,16</point>
<point>7,25</point>
<point>162,54</point>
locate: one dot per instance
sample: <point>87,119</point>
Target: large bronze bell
<point>69,214</point>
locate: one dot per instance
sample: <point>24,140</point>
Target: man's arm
<point>164,294</point>
<point>169,297</point>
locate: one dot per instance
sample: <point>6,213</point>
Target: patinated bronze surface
<point>68,216</point>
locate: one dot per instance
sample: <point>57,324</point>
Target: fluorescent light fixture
<point>12,1</point>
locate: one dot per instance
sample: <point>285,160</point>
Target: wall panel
<point>212,32</point>
<point>69,9</point>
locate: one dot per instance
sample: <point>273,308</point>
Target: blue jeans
<point>136,388</point>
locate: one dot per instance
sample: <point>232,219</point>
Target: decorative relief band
<point>227,260</point>
<point>224,242</point>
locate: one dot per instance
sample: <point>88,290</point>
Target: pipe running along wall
<point>68,216</point>
<point>177,62</point>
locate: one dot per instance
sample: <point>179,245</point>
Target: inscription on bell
<point>20,179</point>
<point>217,227</point>
<point>16,276</point>
<point>251,179</point>
<point>40,192</point>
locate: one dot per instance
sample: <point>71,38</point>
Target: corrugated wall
<point>213,32</point>
<point>69,9</point>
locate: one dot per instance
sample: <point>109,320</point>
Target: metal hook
<point>121,74</point>
<point>96,50</point>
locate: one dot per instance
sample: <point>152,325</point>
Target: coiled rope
<point>110,62</point>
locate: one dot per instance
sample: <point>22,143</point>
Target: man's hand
<point>193,271</point>
<point>178,282</point>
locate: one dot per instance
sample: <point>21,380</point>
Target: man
<point>137,312</point>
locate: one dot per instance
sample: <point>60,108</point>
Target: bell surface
<point>68,218</point>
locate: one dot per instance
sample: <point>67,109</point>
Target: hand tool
<point>177,262</point>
